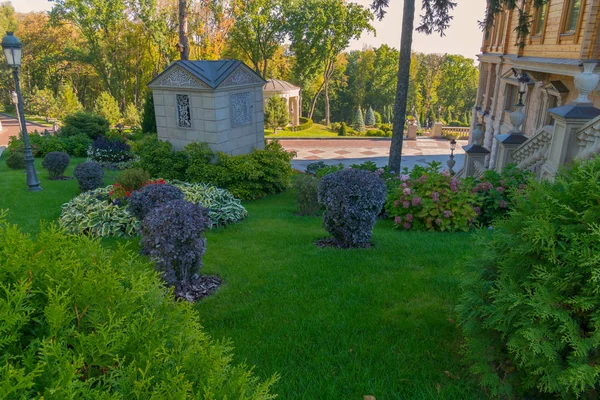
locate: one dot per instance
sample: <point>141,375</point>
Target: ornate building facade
<point>564,34</point>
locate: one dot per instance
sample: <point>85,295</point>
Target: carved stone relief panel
<point>241,110</point>
<point>184,117</point>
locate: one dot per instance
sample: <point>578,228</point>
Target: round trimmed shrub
<point>56,163</point>
<point>352,199</point>
<point>142,201</point>
<point>172,235</point>
<point>15,159</point>
<point>89,322</point>
<point>132,179</point>
<point>89,176</point>
<point>82,122</point>
<point>531,312</point>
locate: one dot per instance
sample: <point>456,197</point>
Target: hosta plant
<point>99,213</point>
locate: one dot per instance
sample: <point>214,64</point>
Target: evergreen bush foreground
<point>531,317</point>
<point>90,323</point>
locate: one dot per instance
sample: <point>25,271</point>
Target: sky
<point>463,37</point>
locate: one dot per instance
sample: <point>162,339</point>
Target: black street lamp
<point>12,51</point>
<point>451,161</point>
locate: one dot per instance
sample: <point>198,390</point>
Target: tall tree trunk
<point>314,101</point>
<point>328,73</point>
<point>264,74</point>
<point>408,18</point>
<point>183,30</point>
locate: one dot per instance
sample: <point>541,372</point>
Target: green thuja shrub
<point>531,315</point>
<point>159,159</point>
<point>307,201</point>
<point>80,321</point>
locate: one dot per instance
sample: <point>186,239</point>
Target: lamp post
<point>11,46</point>
<point>451,161</point>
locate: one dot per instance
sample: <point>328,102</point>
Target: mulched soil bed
<point>202,286</point>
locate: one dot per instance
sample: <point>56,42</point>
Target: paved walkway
<point>351,151</point>
<point>10,127</point>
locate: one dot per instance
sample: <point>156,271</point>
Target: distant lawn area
<point>315,131</point>
<point>334,324</point>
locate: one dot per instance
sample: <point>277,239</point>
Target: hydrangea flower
<point>438,222</point>
<point>406,191</point>
<point>447,213</point>
<point>502,204</point>
<point>398,220</point>
<point>415,201</point>
<point>404,178</point>
<point>446,173</point>
<point>409,218</point>
<point>406,204</point>
<point>435,197</point>
<point>407,225</point>
<point>500,189</point>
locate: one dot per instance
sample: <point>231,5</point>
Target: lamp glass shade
<point>11,46</point>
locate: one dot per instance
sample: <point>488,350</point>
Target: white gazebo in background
<point>290,93</point>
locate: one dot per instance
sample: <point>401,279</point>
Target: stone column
<point>437,130</point>
<point>475,154</point>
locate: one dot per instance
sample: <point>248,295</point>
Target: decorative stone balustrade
<point>589,140</point>
<point>532,154</point>
<point>459,132</point>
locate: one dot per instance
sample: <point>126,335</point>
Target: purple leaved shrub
<point>142,201</point>
<point>172,235</point>
<point>352,199</point>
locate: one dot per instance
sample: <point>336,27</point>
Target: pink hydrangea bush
<point>430,199</point>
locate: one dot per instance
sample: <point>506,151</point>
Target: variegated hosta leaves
<point>91,213</point>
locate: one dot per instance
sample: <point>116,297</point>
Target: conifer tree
<point>276,113</point>
<point>148,117</point>
<point>358,123</point>
<point>370,117</point>
<point>106,106</point>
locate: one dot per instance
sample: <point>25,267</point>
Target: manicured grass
<point>315,131</point>
<point>335,324</point>
<point>28,209</point>
<point>339,324</point>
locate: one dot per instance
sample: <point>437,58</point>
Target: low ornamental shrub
<point>159,159</point>
<point>15,159</point>
<point>432,200</point>
<point>111,153</point>
<point>102,213</point>
<point>56,163</point>
<point>314,167</point>
<point>88,322</point>
<point>77,145</point>
<point>307,201</point>
<point>142,201</point>
<point>343,131</point>
<point>89,176</point>
<point>172,235</point>
<point>530,311</point>
<point>81,122</point>
<point>132,179</point>
<point>352,199</point>
<point>496,192</point>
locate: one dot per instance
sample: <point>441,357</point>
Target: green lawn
<point>315,131</point>
<point>335,324</point>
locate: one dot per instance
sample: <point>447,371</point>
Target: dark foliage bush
<point>90,124</point>
<point>132,179</point>
<point>82,321</point>
<point>531,313</point>
<point>56,163</point>
<point>142,201</point>
<point>352,199</point>
<point>306,194</point>
<point>15,159</point>
<point>110,152</point>
<point>172,235</point>
<point>314,167</point>
<point>77,145</point>
<point>89,175</point>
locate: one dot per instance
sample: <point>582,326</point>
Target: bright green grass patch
<point>335,324</point>
<point>315,131</point>
<point>28,209</point>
